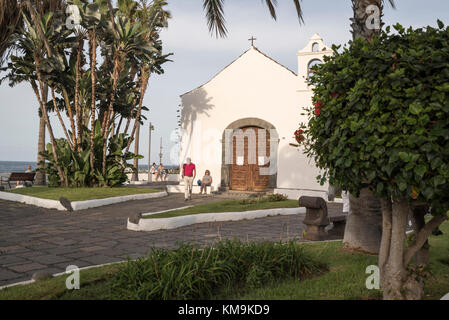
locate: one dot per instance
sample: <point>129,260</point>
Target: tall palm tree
<point>10,21</point>
<point>364,223</point>
<point>153,17</point>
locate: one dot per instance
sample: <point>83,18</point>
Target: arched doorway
<point>246,142</point>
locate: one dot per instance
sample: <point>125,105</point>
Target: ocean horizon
<point>7,167</point>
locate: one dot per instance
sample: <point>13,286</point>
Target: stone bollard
<point>316,217</point>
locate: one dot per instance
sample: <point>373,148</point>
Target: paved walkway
<point>36,239</point>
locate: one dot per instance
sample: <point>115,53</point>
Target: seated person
<point>206,181</point>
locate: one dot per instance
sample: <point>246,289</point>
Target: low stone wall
<point>295,194</point>
<point>143,177</point>
<point>77,205</point>
<point>195,189</point>
<point>176,222</point>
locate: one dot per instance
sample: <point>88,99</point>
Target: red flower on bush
<point>299,135</point>
<point>318,106</point>
<point>335,94</point>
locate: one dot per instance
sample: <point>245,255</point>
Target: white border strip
<point>176,222</point>
<point>21,283</point>
<point>77,205</point>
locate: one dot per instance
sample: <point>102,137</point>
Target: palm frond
<point>271,4</point>
<point>299,10</point>
<point>215,17</point>
<point>10,20</point>
<point>392,4</point>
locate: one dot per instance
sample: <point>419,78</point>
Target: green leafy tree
<point>380,122</point>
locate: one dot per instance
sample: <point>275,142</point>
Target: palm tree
<point>10,21</point>
<point>32,40</point>
<point>364,224</point>
<point>153,17</point>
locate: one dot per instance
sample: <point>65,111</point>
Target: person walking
<point>188,175</point>
<point>161,173</point>
<point>153,172</point>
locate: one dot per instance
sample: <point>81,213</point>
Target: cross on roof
<point>252,40</point>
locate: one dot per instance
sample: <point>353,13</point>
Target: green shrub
<point>381,114</point>
<point>76,165</point>
<point>191,272</point>
<point>277,197</point>
<point>271,198</point>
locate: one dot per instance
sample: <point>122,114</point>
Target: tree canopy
<point>381,115</point>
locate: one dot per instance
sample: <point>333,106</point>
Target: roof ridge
<point>228,65</point>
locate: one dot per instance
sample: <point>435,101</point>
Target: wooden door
<point>243,175</point>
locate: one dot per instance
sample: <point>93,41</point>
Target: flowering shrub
<point>383,116</point>
<point>299,135</point>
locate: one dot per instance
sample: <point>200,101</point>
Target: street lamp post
<point>151,128</point>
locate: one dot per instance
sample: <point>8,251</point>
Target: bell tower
<point>311,55</point>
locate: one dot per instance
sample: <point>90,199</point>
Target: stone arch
<point>241,123</point>
<point>315,47</point>
<point>312,63</point>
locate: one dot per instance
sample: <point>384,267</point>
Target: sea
<point>6,167</point>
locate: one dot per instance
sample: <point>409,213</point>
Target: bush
<point>76,165</point>
<point>381,114</point>
<point>277,197</point>
<point>190,272</point>
<point>271,198</point>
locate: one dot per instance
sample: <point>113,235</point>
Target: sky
<point>198,56</point>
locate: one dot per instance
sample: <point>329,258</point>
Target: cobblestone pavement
<point>35,239</point>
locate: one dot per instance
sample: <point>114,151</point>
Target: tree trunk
<point>70,113</point>
<point>77,102</point>
<point>419,211</point>
<point>397,282</point>
<point>109,112</point>
<point>363,229</point>
<point>363,226</point>
<point>40,179</point>
<point>143,87</point>
<point>135,175</point>
<point>58,113</point>
<point>366,22</point>
<point>93,49</point>
<point>47,122</point>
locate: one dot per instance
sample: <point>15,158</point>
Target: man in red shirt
<point>188,174</point>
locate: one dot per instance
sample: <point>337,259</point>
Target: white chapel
<point>240,124</point>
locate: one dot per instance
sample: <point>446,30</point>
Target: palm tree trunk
<point>109,112</point>
<point>364,223</point>
<point>60,120</point>
<point>47,122</point>
<point>93,58</point>
<point>40,179</point>
<point>136,129</point>
<point>71,117</point>
<point>143,87</point>
<point>363,229</point>
<point>77,103</point>
<point>366,23</point>
<point>117,130</point>
<point>135,175</point>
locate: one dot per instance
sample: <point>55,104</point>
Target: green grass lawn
<point>344,280</point>
<point>226,206</point>
<point>79,194</point>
